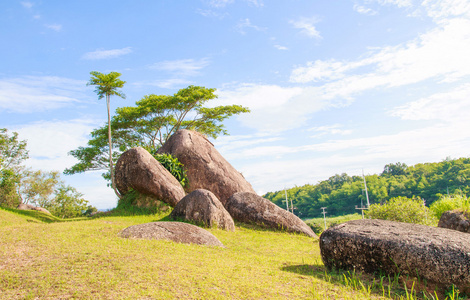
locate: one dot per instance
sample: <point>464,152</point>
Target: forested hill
<point>342,193</point>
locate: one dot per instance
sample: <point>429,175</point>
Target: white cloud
<point>166,83</point>
<point>35,93</point>
<point>279,47</point>
<point>364,10</point>
<point>246,23</point>
<point>106,54</point>
<point>451,106</point>
<point>399,3</point>
<point>441,9</point>
<point>27,4</point>
<point>182,67</point>
<point>49,142</point>
<point>256,3</point>
<point>307,26</point>
<point>440,53</point>
<point>55,27</point>
<point>329,130</point>
<point>219,3</point>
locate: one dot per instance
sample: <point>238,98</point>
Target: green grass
<point>318,224</point>
<point>88,260</point>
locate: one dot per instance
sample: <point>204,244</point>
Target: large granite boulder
<point>250,208</point>
<point>137,169</point>
<point>173,231</point>
<point>438,255</point>
<point>202,206</point>
<point>205,167</point>
<point>456,220</point>
<point>23,206</point>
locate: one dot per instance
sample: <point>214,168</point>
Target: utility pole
<point>324,215</point>
<point>365,186</point>
<point>291,206</point>
<point>287,201</point>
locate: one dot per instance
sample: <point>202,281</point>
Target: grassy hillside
<point>87,260</point>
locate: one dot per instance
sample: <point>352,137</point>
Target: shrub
<point>402,209</point>
<point>449,203</point>
<point>173,165</point>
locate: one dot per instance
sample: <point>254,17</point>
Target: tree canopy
<point>342,193</point>
<point>151,122</point>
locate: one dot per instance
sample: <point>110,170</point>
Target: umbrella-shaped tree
<point>108,85</point>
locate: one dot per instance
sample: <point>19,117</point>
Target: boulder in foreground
<point>137,169</point>
<point>251,208</point>
<point>23,206</point>
<point>173,231</point>
<point>202,206</point>
<point>456,220</point>
<point>205,167</point>
<point>439,255</point>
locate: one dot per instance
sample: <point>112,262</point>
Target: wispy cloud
<point>364,10</point>
<point>182,67</point>
<point>106,54</point>
<point>219,3</point>
<point>307,26</point>
<point>335,129</point>
<point>279,47</point>
<point>27,4</point>
<point>55,27</point>
<point>246,24</point>
<point>36,93</point>
<point>166,83</point>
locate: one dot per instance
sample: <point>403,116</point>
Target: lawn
<point>86,259</point>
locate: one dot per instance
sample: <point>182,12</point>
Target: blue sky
<point>334,86</point>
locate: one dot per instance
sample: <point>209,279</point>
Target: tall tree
<point>152,121</point>
<point>107,85</point>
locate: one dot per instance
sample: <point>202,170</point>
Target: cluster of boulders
<point>216,194</point>
<point>25,206</point>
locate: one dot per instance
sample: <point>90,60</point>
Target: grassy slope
<point>87,260</point>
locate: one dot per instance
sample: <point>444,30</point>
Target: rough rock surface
<point>251,208</point>
<point>439,255</point>
<point>173,231</point>
<point>202,206</point>
<point>23,206</point>
<point>205,167</point>
<point>139,170</point>
<point>456,220</point>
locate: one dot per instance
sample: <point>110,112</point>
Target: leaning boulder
<point>23,206</point>
<point>251,208</point>
<point>456,220</point>
<point>205,167</point>
<point>202,206</point>
<point>137,169</point>
<point>439,255</point>
<point>173,231</point>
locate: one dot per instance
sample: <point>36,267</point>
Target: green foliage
<point>449,203</point>
<point>151,122</point>
<point>402,209</point>
<point>106,84</point>
<point>9,196</point>
<point>318,224</point>
<point>67,203</point>
<point>12,151</point>
<point>342,193</point>
<point>128,205</point>
<point>173,165</point>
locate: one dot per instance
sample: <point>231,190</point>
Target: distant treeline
<point>342,193</point>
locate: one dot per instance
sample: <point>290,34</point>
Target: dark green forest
<point>342,193</point>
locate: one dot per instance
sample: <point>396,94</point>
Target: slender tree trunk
<point>111,151</point>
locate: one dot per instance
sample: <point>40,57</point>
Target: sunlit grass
<point>88,260</point>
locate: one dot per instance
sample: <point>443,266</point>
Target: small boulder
<point>456,220</point>
<point>438,255</point>
<point>23,206</point>
<point>173,231</point>
<point>205,167</point>
<point>202,206</point>
<point>251,208</point>
<point>137,169</point>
